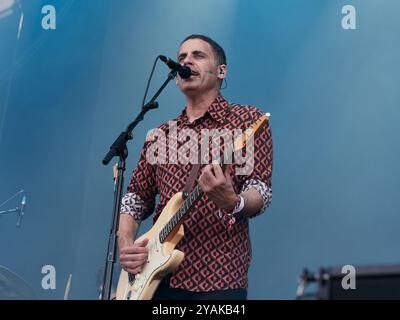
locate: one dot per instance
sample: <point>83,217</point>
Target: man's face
<point>199,57</point>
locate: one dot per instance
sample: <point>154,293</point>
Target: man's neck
<point>197,106</point>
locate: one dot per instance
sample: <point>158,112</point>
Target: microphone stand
<point>16,209</point>
<point>120,150</point>
<point>10,211</point>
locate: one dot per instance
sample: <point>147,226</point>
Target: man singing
<point>216,240</point>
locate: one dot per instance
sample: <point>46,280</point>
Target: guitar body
<point>162,257</point>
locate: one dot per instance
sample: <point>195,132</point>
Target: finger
<point>133,264</point>
<point>204,185</point>
<point>206,176</point>
<point>133,257</point>
<point>133,270</point>
<point>207,169</point>
<point>143,242</point>
<point>134,249</point>
<point>227,172</point>
<point>219,175</point>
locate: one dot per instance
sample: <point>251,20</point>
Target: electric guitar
<point>165,234</point>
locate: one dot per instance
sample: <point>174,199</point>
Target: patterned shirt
<point>217,256</point>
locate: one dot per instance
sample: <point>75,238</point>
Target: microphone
<point>184,71</point>
<point>21,212</point>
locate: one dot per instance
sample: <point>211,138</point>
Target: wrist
<point>124,241</point>
<point>232,203</point>
<point>236,211</point>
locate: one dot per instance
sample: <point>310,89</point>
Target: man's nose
<point>187,61</point>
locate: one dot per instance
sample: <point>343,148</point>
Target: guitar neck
<point>196,194</point>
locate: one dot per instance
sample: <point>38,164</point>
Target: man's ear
<point>222,71</point>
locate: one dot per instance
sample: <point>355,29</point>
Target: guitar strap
<point>195,169</point>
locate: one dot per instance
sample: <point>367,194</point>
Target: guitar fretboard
<point>181,213</point>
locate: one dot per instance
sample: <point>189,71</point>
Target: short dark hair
<point>218,50</point>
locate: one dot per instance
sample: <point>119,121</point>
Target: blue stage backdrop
<point>333,94</point>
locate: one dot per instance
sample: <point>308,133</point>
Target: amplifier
<point>351,282</point>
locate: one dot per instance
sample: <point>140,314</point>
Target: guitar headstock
<point>241,141</point>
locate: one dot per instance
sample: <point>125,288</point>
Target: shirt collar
<point>217,110</point>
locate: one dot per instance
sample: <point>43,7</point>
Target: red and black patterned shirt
<point>217,257</point>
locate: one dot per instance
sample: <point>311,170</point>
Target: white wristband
<point>239,207</point>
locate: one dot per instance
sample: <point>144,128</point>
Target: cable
<point>148,81</point>
<point>21,191</point>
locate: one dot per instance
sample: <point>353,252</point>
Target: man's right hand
<point>132,257</point>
